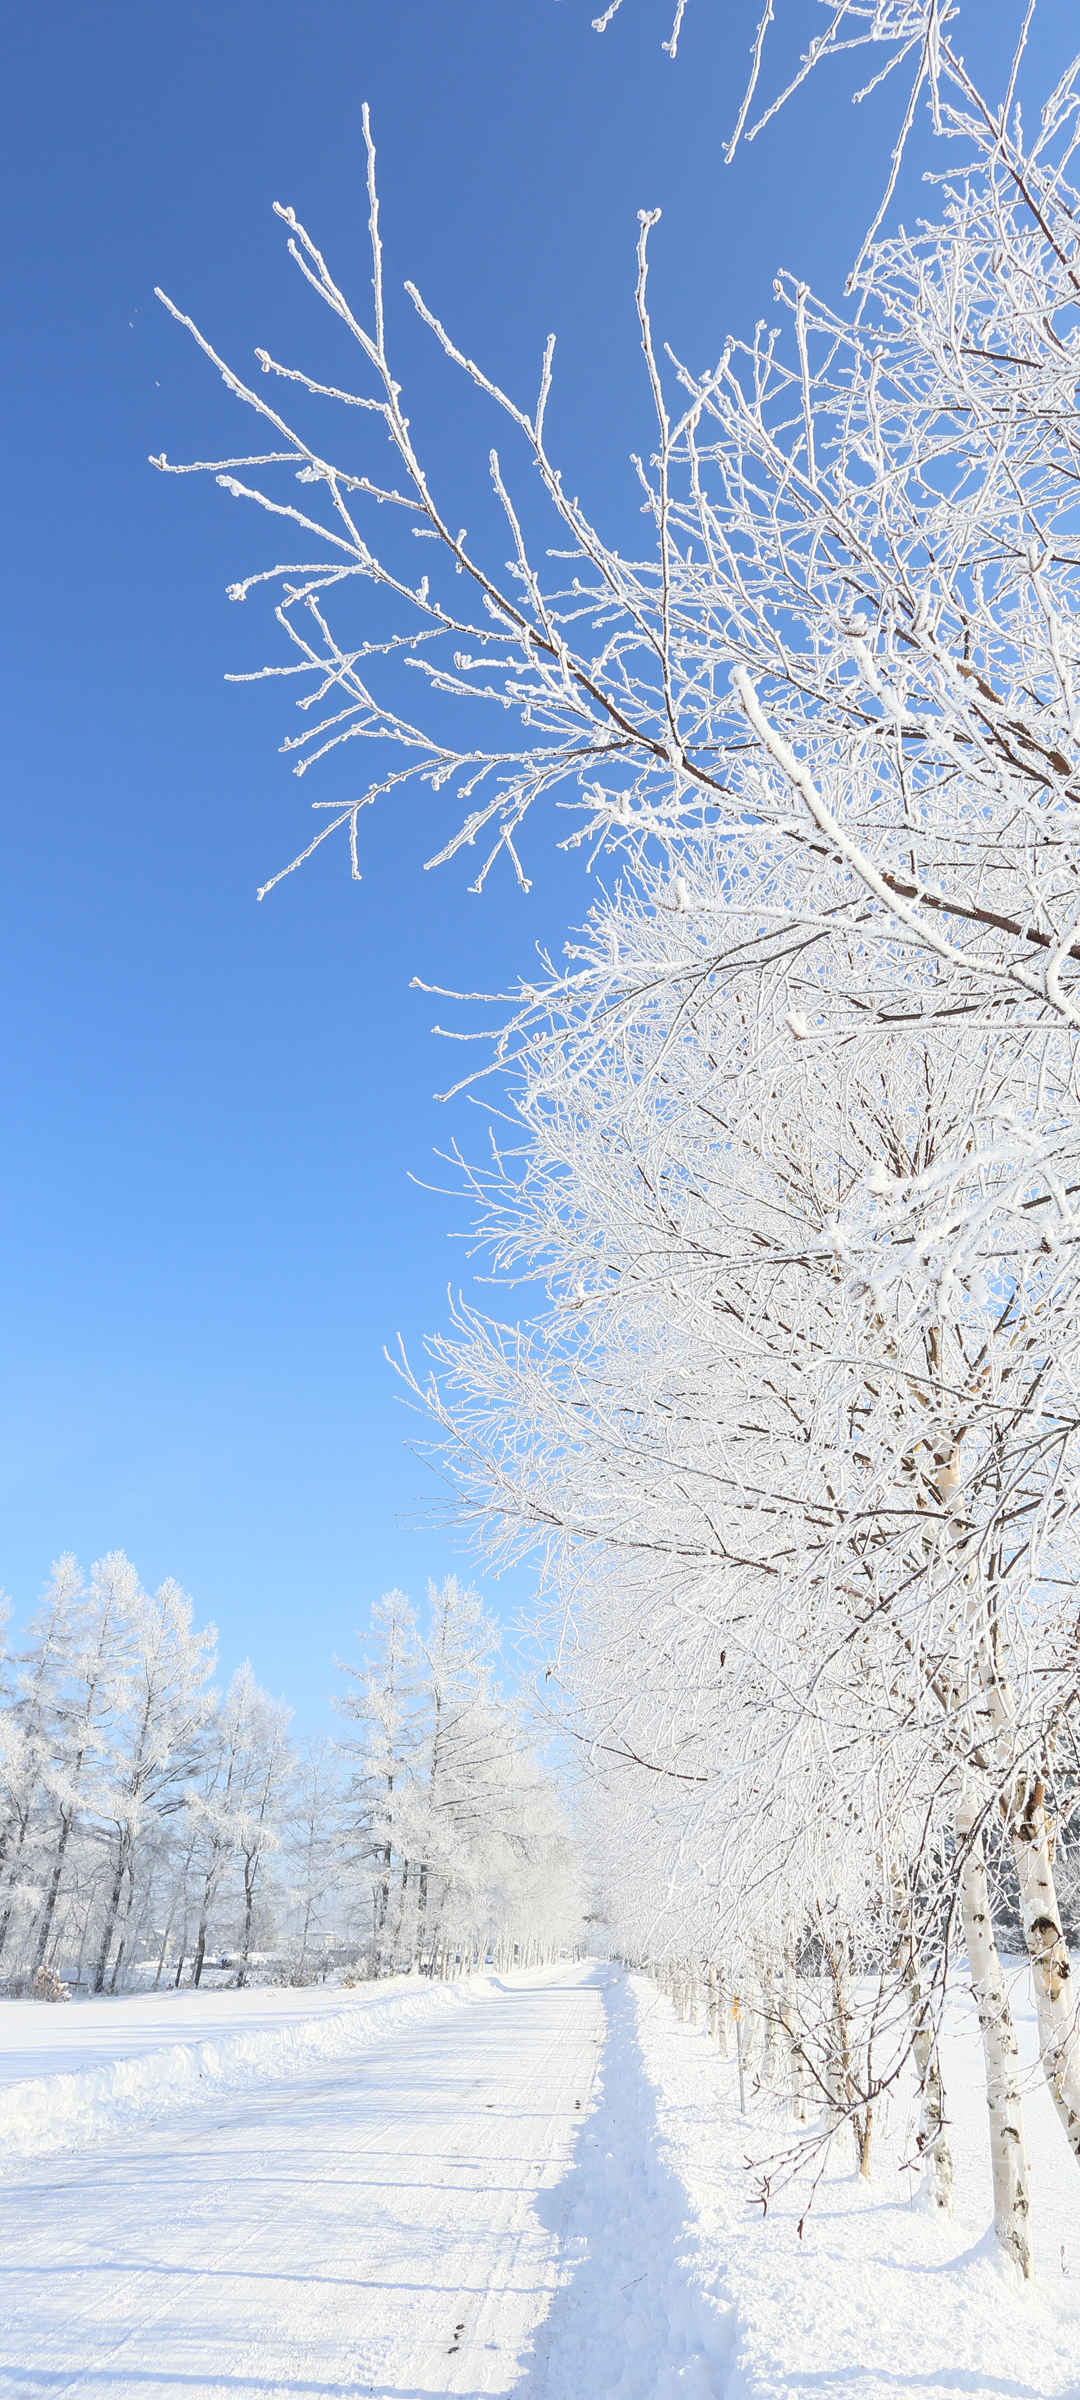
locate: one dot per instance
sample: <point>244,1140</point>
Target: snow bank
<point>868,2296</point>
<point>57,2110</point>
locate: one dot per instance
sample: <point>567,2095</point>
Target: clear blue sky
<point>211,1108</point>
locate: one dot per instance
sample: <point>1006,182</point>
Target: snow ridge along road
<point>388,2227</point>
<point>104,2068</point>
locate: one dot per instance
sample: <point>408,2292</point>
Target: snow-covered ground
<point>875,2298</point>
<point>367,2225</point>
<point>532,2185</point>
<point>38,2038</point>
<point>87,2072</point>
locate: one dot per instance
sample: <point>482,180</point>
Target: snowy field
<point>75,2074</point>
<point>529,2186</point>
<point>876,2298</point>
<point>84,2034</point>
<point>379,2223</point>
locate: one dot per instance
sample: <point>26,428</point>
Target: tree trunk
<point>83,1938</point>
<point>180,1890</point>
<point>724,2018</point>
<point>1056,1997</point>
<point>305,1930</point>
<point>125,1928</point>
<point>931,2139</point>
<point>403,1903</point>
<point>381,1910</point>
<point>200,1951</point>
<point>5,1920</point>
<point>1008,2155</point>
<point>789,2019</point>
<point>773,2062</point>
<point>110,1920</point>
<point>249,1911</point>
<point>752,2020</point>
<point>164,1950</point>
<point>842,2077</point>
<point>421,1916</point>
<point>49,1910</point>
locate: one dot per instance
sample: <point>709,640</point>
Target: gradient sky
<point>212,1108</point>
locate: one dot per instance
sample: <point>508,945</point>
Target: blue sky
<point>212,1109</point>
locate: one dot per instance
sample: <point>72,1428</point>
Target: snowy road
<point>439,2210</point>
<point>369,2231</point>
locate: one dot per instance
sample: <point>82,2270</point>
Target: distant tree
<point>313,1838</point>
<point>268,1764</point>
<point>159,1703</point>
<point>32,1735</point>
<point>382,1700</point>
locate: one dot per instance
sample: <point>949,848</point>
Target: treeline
<point>153,1827</point>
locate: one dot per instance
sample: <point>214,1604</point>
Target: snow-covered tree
<point>793,1427</point>
<point>267,1762</point>
<point>31,1740</point>
<point>313,1832</point>
<point>158,1705</point>
<point>462,1837</point>
<point>382,1698</point>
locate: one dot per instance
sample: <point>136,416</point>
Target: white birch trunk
<point>1008,2154</point>
<point>725,2027</point>
<point>1056,2001</point>
<point>931,2139</point>
<point>1056,1998</point>
<point>751,2023</point>
<point>774,2059</point>
<point>839,2043</point>
<point>789,2018</point>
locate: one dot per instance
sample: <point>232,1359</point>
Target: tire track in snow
<point>522,2245</point>
<point>324,2240</point>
